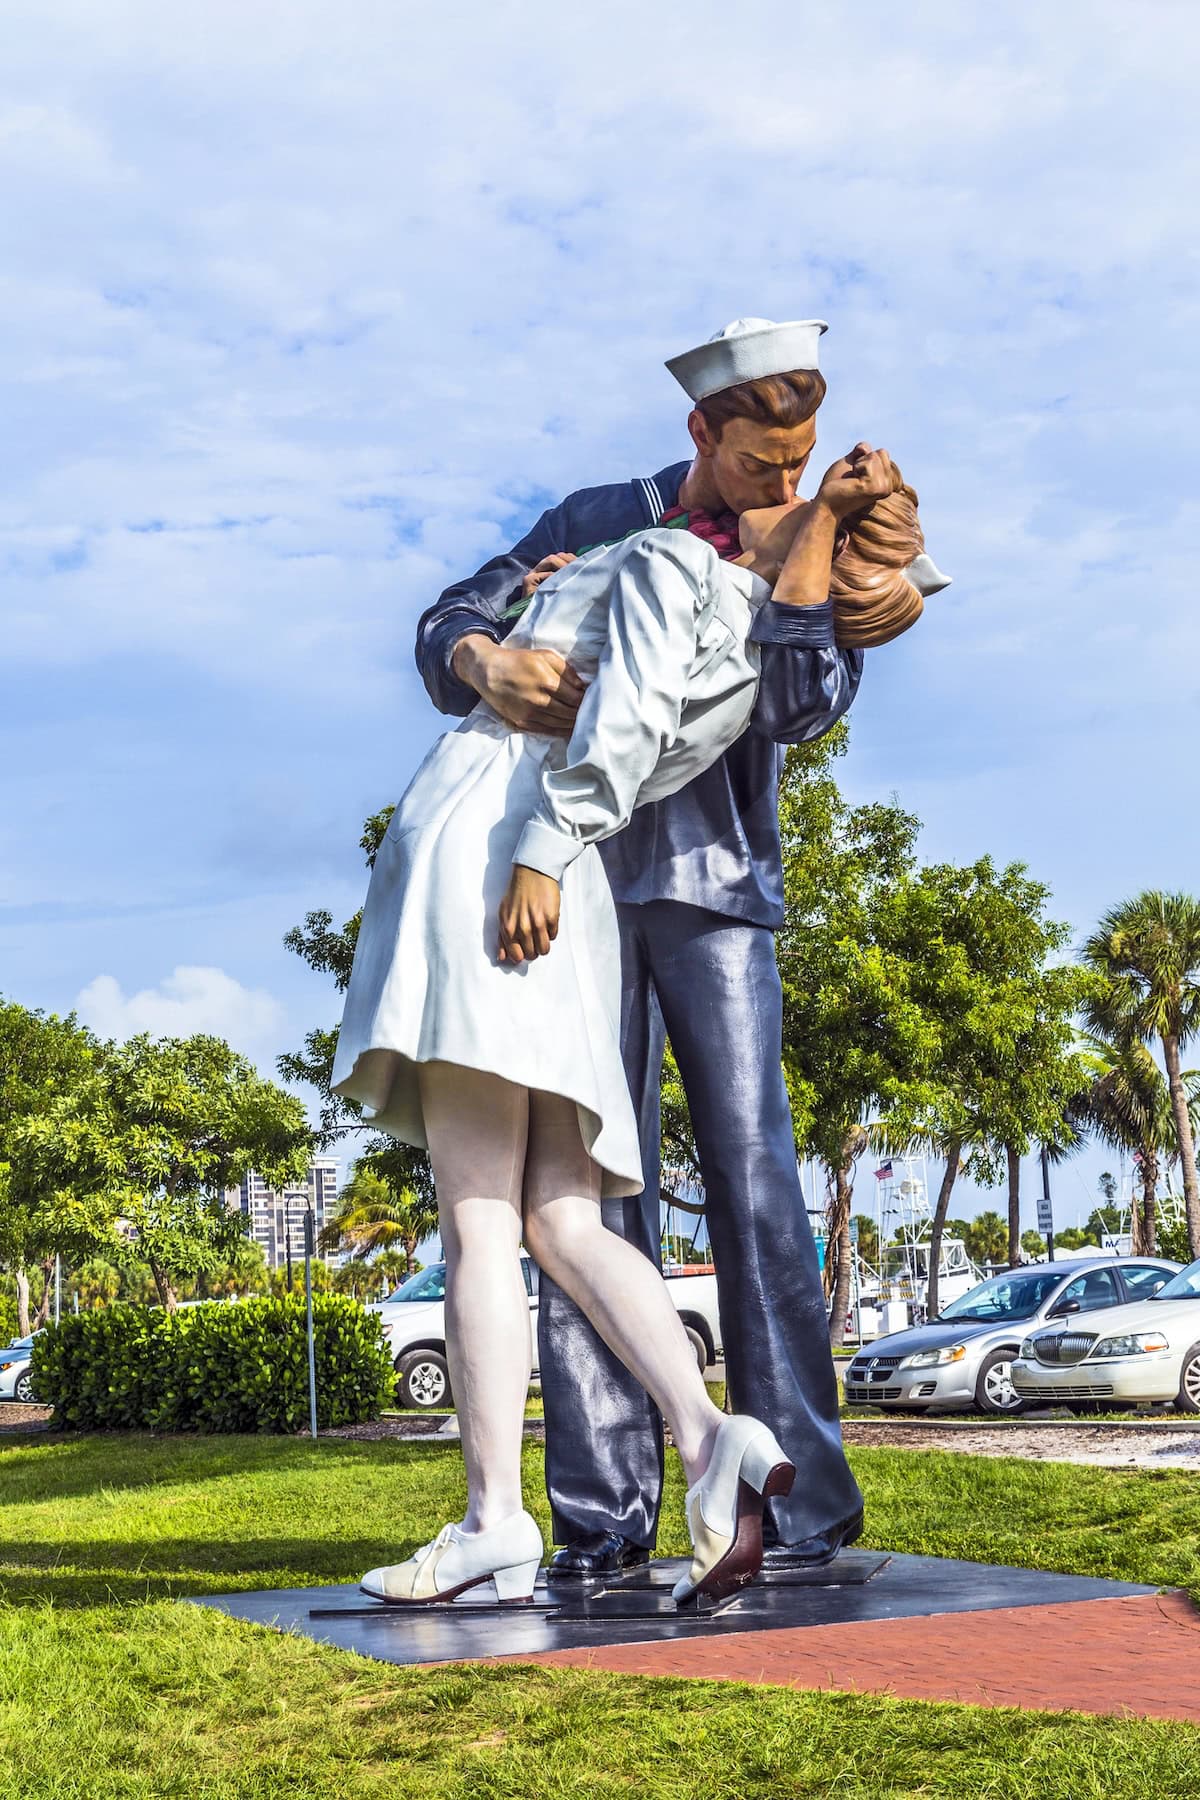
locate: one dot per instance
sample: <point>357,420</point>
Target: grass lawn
<point>107,1688</point>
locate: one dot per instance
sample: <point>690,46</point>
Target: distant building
<point>275,1216</point>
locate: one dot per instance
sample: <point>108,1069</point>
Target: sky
<point>307,309</point>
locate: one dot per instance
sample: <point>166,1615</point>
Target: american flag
<point>884,1172</point>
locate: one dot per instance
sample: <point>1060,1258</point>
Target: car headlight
<point>1029,1349</point>
<point>934,1359</point>
<point>1135,1343</point>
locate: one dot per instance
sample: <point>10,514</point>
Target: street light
<point>287,1231</point>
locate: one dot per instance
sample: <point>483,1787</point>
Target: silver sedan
<point>962,1360</point>
<point>15,1381</point>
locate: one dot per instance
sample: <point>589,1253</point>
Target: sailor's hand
<point>532,690</point>
<point>528,916</point>
<point>549,565</point>
<point>854,481</point>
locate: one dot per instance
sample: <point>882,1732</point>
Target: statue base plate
<point>861,1585</point>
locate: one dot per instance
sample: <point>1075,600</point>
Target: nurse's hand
<point>532,690</point>
<point>528,916</point>
<point>549,565</point>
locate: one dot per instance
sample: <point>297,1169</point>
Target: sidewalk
<point>1134,1656</point>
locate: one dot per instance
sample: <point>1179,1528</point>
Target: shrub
<point>216,1367</point>
<point>8,1320</point>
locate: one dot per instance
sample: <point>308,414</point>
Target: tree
<point>392,1267</point>
<point>987,1238</point>
<point>1033,1244</point>
<point>980,950</point>
<point>136,1157</point>
<point>1127,1104</point>
<point>868,1238</point>
<point>1147,954</point>
<point>42,1057</point>
<point>322,1279</point>
<point>372,1217</point>
<point>97,1282</point>
<point>243,1274</point>
<point>1075,1237</point>
<point>855,1042</point>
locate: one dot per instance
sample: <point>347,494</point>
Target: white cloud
<point>188,1001</point>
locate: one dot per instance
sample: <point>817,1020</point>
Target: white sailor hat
<point>746,350</point>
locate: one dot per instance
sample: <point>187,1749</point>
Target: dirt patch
<point>442,1426</point>
<point>1130,1446</point>
<point>15,1417</point>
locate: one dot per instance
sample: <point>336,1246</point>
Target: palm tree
<point>1148,953</point>
<point>987,1238</point>
<point>954,1136</point>
<point>372,1216</point>
<point>1128,1106</point>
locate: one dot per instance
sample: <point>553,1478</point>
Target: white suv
<point>414,1326</point>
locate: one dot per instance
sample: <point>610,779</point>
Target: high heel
<point>514,1587</point>
<point>508,1555</point>
<point>725,1508</point>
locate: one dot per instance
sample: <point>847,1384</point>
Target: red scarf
<point>718,529</point>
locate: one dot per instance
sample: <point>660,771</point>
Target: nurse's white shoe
<point>507,1555</point>
<point>725,1509</point>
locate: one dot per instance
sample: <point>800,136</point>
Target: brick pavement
<point>1138,1655</point>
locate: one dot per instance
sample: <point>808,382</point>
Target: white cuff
<point>548,851</point>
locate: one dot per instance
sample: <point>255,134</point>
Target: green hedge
<point>217,1367</point>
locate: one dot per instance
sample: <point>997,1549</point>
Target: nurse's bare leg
<point>477,1125</point>
<point>620,1291</point>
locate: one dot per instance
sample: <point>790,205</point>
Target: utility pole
<point>1045,1208</point>
<point>309,1246</point>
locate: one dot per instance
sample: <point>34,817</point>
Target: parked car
<point>963,1360</point>
<point>1122,1356</point>
<point>414,1326</point>
<point>15,1383</point>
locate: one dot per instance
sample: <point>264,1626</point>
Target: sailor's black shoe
<point>595,1554</point>
<point>813,1552</point>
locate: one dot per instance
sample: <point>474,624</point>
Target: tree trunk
<point>22,1280</point>
<point>166,1292</point>
<point>940,1214</point>
<point>838,1241</point>
<point>1012,1157</point>
<point>1187,1147</point>
<point>43,1306</point>
<point>1145,1221</point>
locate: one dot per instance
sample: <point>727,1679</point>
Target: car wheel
<point>1187,1400</point>
<point>994,1390</point>
<point>23,1391</point>
<point>699,1347</point>
<point>424,1380</point>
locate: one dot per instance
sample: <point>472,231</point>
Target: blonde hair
<point>872,601</point>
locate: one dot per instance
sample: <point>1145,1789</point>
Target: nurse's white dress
<point>659,627</point>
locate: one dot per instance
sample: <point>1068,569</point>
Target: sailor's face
<point>758,465</point>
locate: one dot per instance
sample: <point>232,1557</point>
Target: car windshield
<point>426,1284</point>
<point>1184,1286</point>
<point>1018,1294</point>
